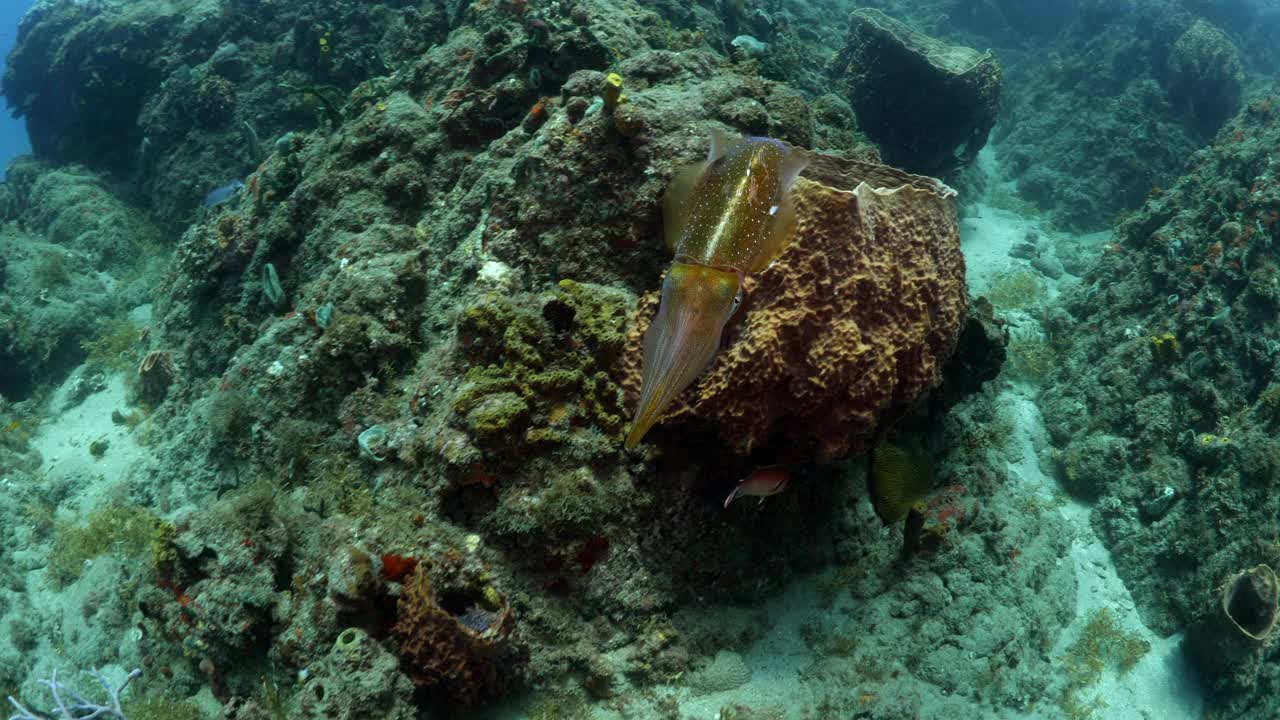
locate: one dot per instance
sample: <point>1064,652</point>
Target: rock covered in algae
<point>920,99</point>
<point>543,357</point>
<point>357,679</point>
<point>849,326</point>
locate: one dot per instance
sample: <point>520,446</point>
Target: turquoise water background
<point>13,133</point>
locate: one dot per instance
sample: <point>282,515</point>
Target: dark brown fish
<point>766,481</point>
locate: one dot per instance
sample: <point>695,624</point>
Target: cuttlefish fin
<point>796,161</point>
<point>782,228</point>
<point>697,300</point>
<point>676,202</point>
<point>721,143</point>
<point>782,220</point>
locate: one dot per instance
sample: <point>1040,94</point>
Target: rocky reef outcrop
<point>1204,77</point>
<point>1123,99</point>
<point>1166,398</point>
<point>74,261</point>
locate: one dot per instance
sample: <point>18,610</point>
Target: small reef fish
<point>221,194</point>
<point>765,481</point>
<point>724,217</point>
<point>898,479</point>
<point>13,426</point>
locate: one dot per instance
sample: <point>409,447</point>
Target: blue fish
<point>219,194</point>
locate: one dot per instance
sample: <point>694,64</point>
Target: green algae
<point>1016,290</point>
<point>149,707</point>
<point>1268,406</point>
<point>50,271</point>
<point>231,412</point>
<point>1031,358</point>
<point>538,368</point>
<point>563,501</point>
<point>127,530</point>
<point>565,706</point>
<point>117,347</point>
<point>337,484</point>
<point>494,412</point>
<point>1102,644</point>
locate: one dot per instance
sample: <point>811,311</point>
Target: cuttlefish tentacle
<point>724,217</point>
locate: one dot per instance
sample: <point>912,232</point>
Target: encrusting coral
<point>849,326</point>
<point>545,367</point>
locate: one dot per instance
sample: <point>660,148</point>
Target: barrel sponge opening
<point>1251,600</point>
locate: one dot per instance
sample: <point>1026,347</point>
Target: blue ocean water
<point>13,132</point>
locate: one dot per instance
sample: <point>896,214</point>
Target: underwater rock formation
<point>849,326</point>
<point>70,238</point>
<point>82,98</point>
<point>358,679</point>
<point>179,97</point>
<point>80,210</point>
<point>1167,383</point>
<point>1091,131</point>
<point>1204,77</point>
<point>404,337</point>
<point>924,102</point>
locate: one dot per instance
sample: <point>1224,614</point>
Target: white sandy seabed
<point>1162,685</point>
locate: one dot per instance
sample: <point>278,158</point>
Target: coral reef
<point>379,377</point>
<point>75,257</point>
<point>1093,127</point>
<point>1160,392</point>
<point>357,679</point>
<point>849,327</point>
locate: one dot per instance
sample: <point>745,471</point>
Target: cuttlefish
<point>724,217</point>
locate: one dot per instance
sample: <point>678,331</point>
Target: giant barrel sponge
<point>846,330</point>
<point>928,105</point>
